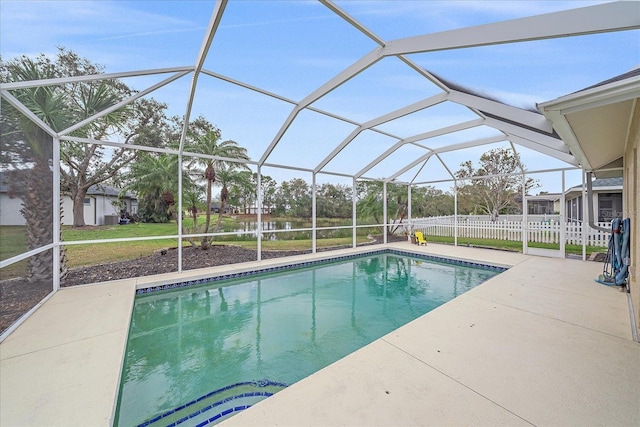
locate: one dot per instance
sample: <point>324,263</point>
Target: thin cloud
<point>152,33</point>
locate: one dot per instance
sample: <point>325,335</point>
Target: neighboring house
<point>101,201</point>
<point>253,210</point>
<point>544,204</point>
<point>215,208</point>
<point>607,200</point>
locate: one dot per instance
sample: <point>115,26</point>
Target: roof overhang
<point>595,123</point>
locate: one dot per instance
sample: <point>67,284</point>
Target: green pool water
<point>199,354</point>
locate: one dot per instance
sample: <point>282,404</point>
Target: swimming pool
<point>200,352</point>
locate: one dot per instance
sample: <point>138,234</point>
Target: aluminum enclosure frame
<point>519,127</point>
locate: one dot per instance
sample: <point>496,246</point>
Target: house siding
<point>606,202</point>
<point>10,210</point>
<point>631,205</point>
<point>94,212</point>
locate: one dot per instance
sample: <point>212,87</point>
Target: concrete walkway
<point>539,344</point>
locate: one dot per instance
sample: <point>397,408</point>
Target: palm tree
<point>84,164</point>
<point>371,203</point>
<point>229,176</point>
<point>210,144</point>
<point>156,177</point>
<point>32,146</point>
<point>192,199</point>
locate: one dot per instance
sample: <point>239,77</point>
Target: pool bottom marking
<point>217,405</point>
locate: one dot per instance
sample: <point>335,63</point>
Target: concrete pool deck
<point>540,344</point>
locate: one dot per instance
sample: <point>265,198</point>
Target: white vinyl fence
<point>540,229</point>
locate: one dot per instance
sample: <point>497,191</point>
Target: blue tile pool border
<point>260,384</point>
<point>302,264</point>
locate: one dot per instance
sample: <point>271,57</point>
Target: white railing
<point>539,230</point>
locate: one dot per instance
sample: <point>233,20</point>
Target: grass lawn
<point>515,246</point>
<point>13,242</point>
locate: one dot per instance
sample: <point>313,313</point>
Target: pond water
<point>278,230</point>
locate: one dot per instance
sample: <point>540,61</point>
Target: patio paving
<point>540,344</point>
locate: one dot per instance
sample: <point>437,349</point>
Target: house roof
<point>94,190</point>
<point>105,190</point>
<point>629,74</point>
<point>594,121</point>
<point>601,183</point>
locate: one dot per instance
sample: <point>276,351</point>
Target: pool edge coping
<point>322,258</point>
<point>279,265</point>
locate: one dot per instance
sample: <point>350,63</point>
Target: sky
<point>291,48</point>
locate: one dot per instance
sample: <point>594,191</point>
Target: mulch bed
<point>17,296</point>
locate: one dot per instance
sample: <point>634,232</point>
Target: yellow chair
<point>420,238</point>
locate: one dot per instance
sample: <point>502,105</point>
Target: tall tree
<point>334,201</point>
<point>293,198</point>
<point>232,179</point>
<point>268,187</point>
<point>27,155</point>
<point>429,201</point>
<point>210,143</point>
<point>502,182</point>
<point>85,165</point>
<point>370,203</point>
<point>155,177</point>
<point>242,190</point>
<point>192,200</point>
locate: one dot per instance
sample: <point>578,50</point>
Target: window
<point>609,206</point>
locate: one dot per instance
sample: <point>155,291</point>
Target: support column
<point>585,215</point>
<point>354,213</point>
<point>384,212</point>
<point>56,214</point>
<point>455,215</point>
<point>180,212</point>
<point>409,202</point>
<point>409,207</point>
<point>314,220</point>
<point>563,221</point>
<point>259,214</point>
<point>525,238</point>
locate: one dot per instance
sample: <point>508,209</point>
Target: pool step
<point>218,405</point>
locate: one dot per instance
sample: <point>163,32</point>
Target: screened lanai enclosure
<point>154,130</point>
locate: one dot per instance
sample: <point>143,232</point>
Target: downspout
<point>590,206</point>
